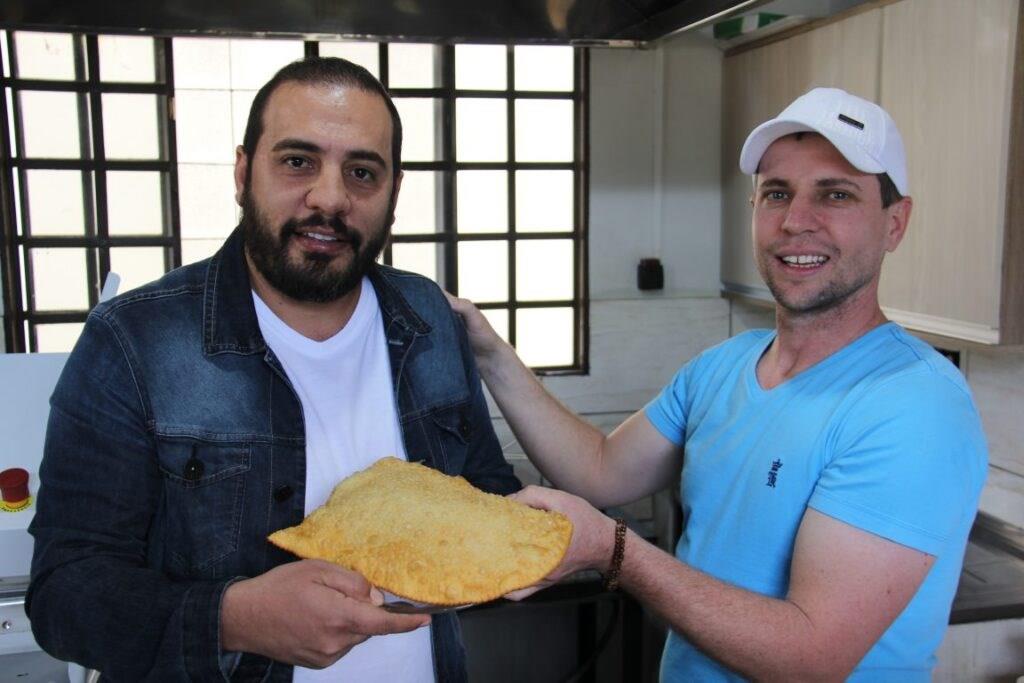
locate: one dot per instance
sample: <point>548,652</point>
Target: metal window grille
<point>93,241</point>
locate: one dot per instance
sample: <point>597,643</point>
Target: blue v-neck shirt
<point>882,435</point>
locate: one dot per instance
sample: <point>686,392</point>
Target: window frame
<point>21,317</point>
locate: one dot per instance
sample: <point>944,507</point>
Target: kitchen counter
<point>992,580</point>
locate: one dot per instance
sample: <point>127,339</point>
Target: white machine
<point>26,382</point>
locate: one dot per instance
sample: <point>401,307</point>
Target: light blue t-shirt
<point>882,435</point>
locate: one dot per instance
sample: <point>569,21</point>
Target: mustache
<point>291,227</point>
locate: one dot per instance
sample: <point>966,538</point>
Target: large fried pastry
<point>428,537</point>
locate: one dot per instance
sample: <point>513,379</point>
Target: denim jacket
<point>176,445</point>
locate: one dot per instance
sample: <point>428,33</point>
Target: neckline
<point>751,367</point>
<point>360,318</point>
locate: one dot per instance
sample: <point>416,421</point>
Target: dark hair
<point>890,195</point>
<point>322,70</point>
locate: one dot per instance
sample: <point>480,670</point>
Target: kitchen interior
<point>673,89</point>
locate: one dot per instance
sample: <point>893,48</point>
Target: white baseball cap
<point>862,131</point>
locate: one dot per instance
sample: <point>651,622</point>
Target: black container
<point>650,274</point>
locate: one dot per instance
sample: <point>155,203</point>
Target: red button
<point>14,485</point>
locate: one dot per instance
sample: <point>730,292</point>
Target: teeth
<point>805,260</point>
<point>322,238</point>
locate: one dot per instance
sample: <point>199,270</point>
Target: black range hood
<point>579,22</point>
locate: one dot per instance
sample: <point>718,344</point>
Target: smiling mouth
<point>319,237</point>
<point>804,261</point>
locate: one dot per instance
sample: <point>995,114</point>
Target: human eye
<point>296,162</point>
<point>774,195</point>
<point>363,174</point>
<point>838,195</point>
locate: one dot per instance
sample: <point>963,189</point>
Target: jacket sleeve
<point>486,467</point>
<point>93,597</point>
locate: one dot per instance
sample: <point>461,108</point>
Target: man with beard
<point>830,468</point>
<point>200,413</point>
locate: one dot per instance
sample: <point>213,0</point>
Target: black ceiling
<point>501,21</point>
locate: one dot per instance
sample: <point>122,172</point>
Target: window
<point>118,155</point>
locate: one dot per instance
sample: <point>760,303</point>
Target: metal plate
<point>406,607</point>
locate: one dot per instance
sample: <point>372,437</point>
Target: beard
<point>313,278</point>
<point>830,296</point>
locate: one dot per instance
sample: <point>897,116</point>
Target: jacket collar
<point>393,305</point>
<point>229,317</point>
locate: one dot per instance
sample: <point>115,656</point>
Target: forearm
<point>567,450</point>
<point>762,638</point>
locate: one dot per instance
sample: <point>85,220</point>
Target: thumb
<point>349,583</point>
<point>534,496</point>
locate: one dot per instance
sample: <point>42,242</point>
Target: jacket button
<point>194,468</point>
<point>464,429</point>
<point>283,493</point>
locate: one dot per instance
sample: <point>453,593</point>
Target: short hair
<point>322,71</point>
<point>890,195</point>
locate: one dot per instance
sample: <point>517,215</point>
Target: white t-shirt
<point>348,405</point>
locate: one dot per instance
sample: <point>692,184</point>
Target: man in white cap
<point>831,468</point>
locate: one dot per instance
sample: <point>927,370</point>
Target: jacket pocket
<point>204,487</point>
<point>453,433</point>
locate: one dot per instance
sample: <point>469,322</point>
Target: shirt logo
<point>773,473</point>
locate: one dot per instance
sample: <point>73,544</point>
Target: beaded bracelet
<point>611,579</point>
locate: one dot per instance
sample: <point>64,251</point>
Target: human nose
<point>328,194</point>
<point>800,216</point>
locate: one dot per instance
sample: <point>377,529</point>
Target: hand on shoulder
<point>482,337</point>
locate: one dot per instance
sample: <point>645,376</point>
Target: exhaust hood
<point>577,22</point>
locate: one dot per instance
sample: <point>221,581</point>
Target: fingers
<point>536,497</point>
<point>462,306</point>
<point>524,592</point>
<point>370,620</point>
<point>342,580</point>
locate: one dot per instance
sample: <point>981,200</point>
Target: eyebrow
<point>837,182</point>
<point>312,147</point>
<point>368,155</point>
<point>296,143</point>
<point>821,183</point>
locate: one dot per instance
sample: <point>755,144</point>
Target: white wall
<point>654,169</point>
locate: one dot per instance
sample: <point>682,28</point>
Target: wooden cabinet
<point>945,70</point>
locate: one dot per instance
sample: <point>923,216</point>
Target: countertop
<point>992,580</point>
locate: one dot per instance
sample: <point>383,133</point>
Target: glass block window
<point>88,176</point>
<point>118,155</point>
